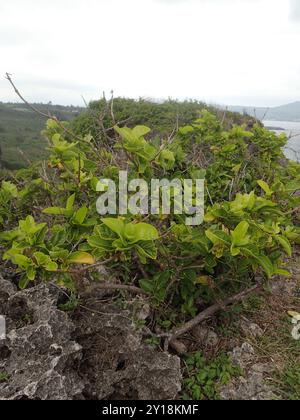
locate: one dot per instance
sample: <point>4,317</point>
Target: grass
<point>276,346</point>
<point>288,382</point>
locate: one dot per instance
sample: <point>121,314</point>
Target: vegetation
<point>3,377</point>
<point>52,231</point>
<point>204,377</point>
<point>21,141</point>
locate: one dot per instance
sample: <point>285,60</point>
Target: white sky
<point>222,51</point>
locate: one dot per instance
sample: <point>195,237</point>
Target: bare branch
<point>39,112</point>
<point>207,313</point>
<point>111,286</point>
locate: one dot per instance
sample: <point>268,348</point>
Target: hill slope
<point>20,132</point>
<point>288,112</point>
<point>20,128</point>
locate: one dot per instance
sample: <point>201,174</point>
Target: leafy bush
<point>51,225</point>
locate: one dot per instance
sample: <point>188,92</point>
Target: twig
<point>293,211</point>
<point>207,313</point>
<point>24,156</point>
<point>112,108</point>
<point>265,114</point>
<point>41,113</point>
<point>209,196</point>
<point>86,268</point>
<point>224,116</point>
<point>141,268</point>
<point>111,286</point>
<point>79,169</point>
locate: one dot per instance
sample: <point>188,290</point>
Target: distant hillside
<point>20,132</point>
<point>20,128</point>
<point>289,112</point>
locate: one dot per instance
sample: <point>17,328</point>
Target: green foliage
<point>253,228</point>
<point>290,383</point>
<point>32,248</point>
<point>20,133</point>
<point>51,227</point>
<point>72,303</point>
<point>204,377</point>
<point>4,377</point>
<point>115,235</point>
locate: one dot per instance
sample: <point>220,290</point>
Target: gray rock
<point>206,337</point>
<point>262,368</point>
<point>252,386</point>
<point>38,347</point>
<point>241,356</point>
<point>117,365</point>
<point>95,355</point>
<point>250,329</point>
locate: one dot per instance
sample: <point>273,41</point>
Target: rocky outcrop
<point>38,347</point>
<point>116,364</point>
<point>252,385</point>
<point>96,354</point>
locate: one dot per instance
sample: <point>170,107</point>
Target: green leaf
<point>31,272</point>
<point>116,225</point>
<point>140,131</point>
<point>147,285</point>
<point>70,202</point>
<point>97,242</point>
<point>262,260</point>
<point>186,130</point>
<point>218,237</point>
<point>140,232</point>
<point>59,254</point>
<point>81,258</point>
<point>21,261</point>
<point>265,187</point>
<point>23,283</point>
<point>284,242</point>
<point>55,211</point>
<point>9,188</point>
<point>166,159</point>
<point>281,272</point>
<point>146,250</point>
<point>239,235</point>
<point>80,215</point>
<point>45,261</point>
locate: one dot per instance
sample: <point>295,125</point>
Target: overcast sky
<point>222,51</point>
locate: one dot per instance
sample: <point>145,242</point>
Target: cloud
<point>295,10</point>
<point>204,49</point>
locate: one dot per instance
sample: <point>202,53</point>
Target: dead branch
<point>265,114</point>
<point>295,210</point>
<point>125,287</point>
<point>207,313</point>
<point>39,112</point>
<point>86,268</point>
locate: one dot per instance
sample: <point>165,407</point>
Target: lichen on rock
<point>98,354</point>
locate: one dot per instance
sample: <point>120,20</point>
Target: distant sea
<point>292,151</point>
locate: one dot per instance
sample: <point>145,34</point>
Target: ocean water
<point>292,130</point>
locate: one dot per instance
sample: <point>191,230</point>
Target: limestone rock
<point>205,336</point>
<point>241,356</point>
<point>38,347</point>
<point>98,353</point>
<point>117,365</point>
<point>250,388</point>
<point>250,328</point>
<point>252,385</point>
